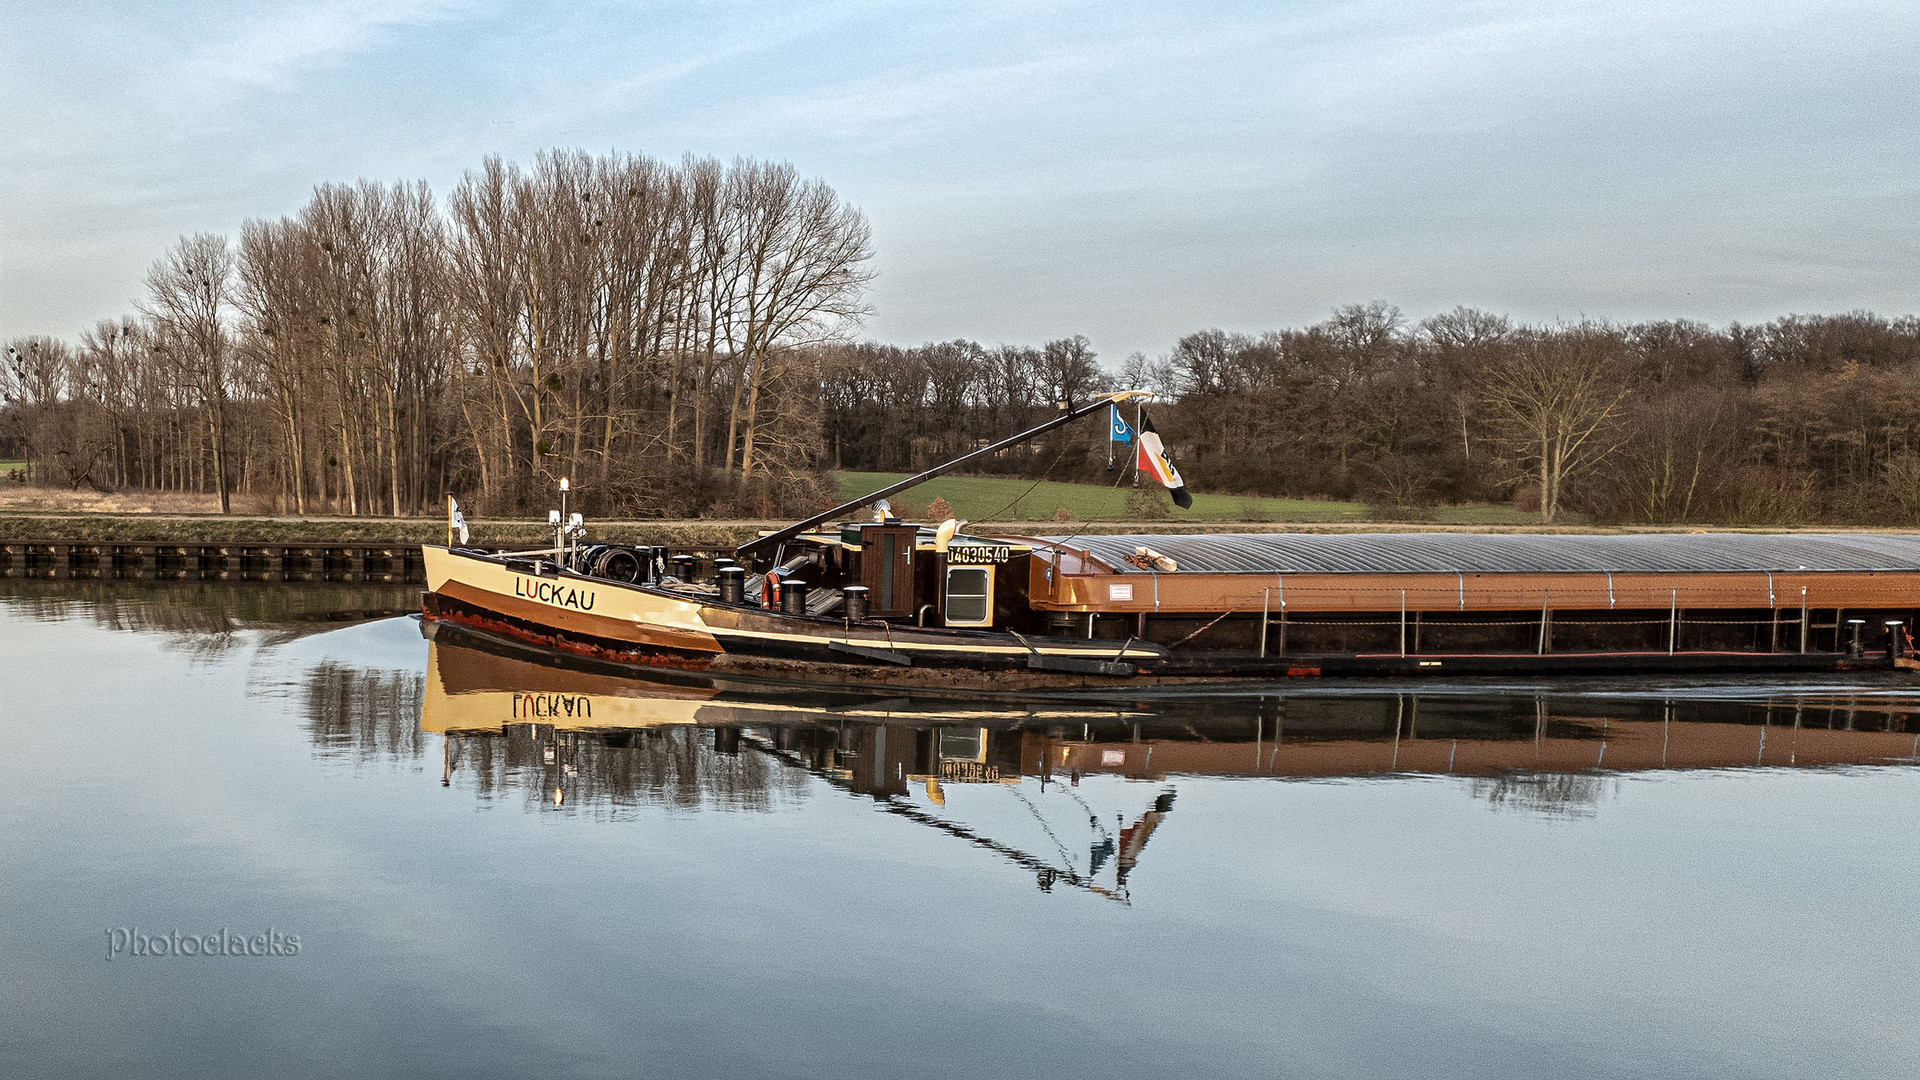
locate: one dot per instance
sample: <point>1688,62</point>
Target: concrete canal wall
<point>348,562</point>
<point>394,563</point>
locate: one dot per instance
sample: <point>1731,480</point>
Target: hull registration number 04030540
<point>978,554</point>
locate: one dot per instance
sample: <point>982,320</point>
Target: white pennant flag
<point>456,521</point>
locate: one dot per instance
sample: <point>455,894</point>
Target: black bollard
<point>682,567</point>
<point>1893,640</point>
<point>854,599</point>
<point>733,585</point>
<point>793,597</point>
<point>1854,649</point>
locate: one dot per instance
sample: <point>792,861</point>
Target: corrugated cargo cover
<point>1510,553</point>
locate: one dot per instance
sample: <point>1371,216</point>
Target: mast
<point>775,539</point>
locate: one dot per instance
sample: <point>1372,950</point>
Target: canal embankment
<point>61,545</point>
<point>209,547</point>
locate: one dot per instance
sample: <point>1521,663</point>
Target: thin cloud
<point>1129,172</point>
<point>270,49</point>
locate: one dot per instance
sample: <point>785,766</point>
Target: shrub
<point>1148,504</point>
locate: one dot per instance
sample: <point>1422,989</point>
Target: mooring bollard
<point>793,597</point>
<point>1854,649</point>
<point>733,584</point>
<point>854,597</point>
<point>1893,640</point>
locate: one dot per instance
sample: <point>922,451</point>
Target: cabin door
<point>886,568</point>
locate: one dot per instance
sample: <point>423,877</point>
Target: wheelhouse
<point>901,572</point>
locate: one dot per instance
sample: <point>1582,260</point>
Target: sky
<point>1131,172</point>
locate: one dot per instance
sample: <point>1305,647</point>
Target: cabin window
<point>887,554</point>
<point>963,744</point>
<point>969,595</point>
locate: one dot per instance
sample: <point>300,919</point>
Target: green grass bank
<point>999,499</point>
<point>1017,505</point>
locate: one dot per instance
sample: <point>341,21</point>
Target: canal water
<point>274,830</point>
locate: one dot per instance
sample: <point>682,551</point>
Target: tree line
<point>677,338</point>
<point>1802,420</point>
<point>646,329</point>
<point>1805,419</point>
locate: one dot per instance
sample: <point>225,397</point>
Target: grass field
<point>35,513</point>
<point>987,498</point>
<point>8,466</point>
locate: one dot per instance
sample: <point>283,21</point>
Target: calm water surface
<point>498,868</point>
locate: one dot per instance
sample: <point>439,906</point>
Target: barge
<point>858,596</point>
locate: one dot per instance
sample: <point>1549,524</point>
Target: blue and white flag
<point>1118,431</point>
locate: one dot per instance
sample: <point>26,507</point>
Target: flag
<point>456,521</point>
<point>1152,459</point>
<point>1118,431</point>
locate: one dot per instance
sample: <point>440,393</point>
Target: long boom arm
<point>775,539</point>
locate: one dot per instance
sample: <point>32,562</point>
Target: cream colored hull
<point>571,603</point>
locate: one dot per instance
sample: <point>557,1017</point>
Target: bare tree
<point>34,376</point>
<point>189,291</point>
<point>277,270</point>
<point>1460,343</point>
<point>1552,402</point>
<point>1070,371</point>
<point>799,260</point>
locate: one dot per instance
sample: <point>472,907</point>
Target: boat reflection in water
<point>586,741</point>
